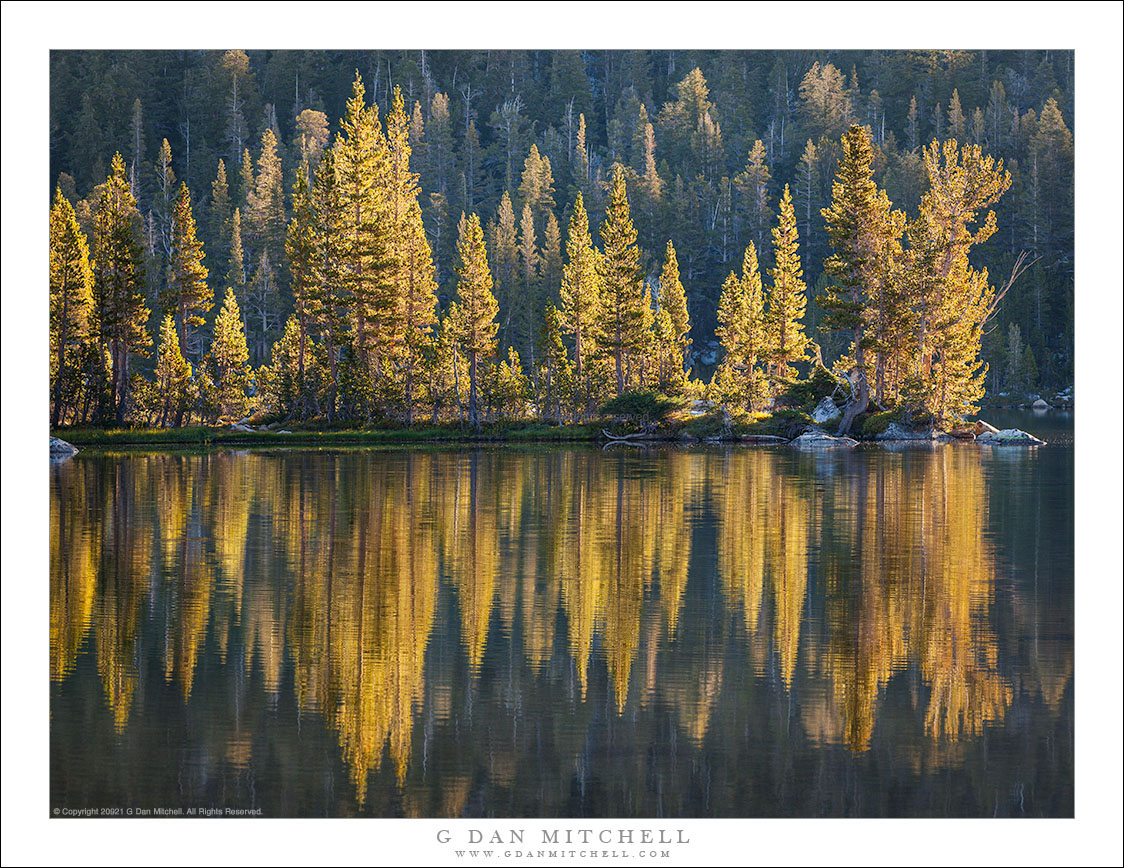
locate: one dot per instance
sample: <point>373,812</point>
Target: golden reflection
<point>470,546</point>
<point>380,574</point>
<point>576,558</point>
<point>957,646</point>
<point>74,575</point>
<point>627,549</point>
<point>126,549</point>
<point>334,575</point>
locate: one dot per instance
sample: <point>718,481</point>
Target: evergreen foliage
<point>360,304</point>
<point>72,307</point>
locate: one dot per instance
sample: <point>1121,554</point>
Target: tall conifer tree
<point>118,262</point>
<point>505,261</point>
<point>673,299</point>
<point>741,330</point>
<point>304,245</point>
<point>229,358</point>
<point>220,217</point>
<point>475,325</point>
<point>173,375</point>
<point>580,292</point>
<point>862,230</point>
<point>529,301</point>
<point>785,341</point>
<point>187,296</point>
<point>72,303</point>
<point>623,300</point>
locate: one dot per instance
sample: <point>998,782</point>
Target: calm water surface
<point>567,631</point>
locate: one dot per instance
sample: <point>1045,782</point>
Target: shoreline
<point>421,437</point>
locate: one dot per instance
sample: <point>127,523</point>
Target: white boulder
<point>825,411</point>
<point>894,431</point>
<point>61,450</point>
<point>814,438</point>
<point>1009,437</point>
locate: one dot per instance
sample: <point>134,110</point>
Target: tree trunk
<point>335,383</point>
<point>302,404</point>
<point>473,418</point>
<point>121,376</point>
<point>861,401</point>
<point>60,366</point>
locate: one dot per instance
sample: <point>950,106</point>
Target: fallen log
<point>624,438</point>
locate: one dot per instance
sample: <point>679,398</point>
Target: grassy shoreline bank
<point>202,436</point>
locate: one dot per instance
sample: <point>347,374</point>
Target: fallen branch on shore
<point>625,438</point>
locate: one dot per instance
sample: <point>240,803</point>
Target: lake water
<point>556,632</point>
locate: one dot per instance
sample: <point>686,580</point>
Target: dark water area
<point>568,632</point>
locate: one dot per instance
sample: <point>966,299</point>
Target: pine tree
<point>650,182</point>
<point>957,299</point>
<point>229,359</point>
<point>580,292</point>
<point>529,302</point>
<point>536,187</point>
<point>679,119</point>
<point>862,232</point>
<point>246,182</point>
<point>72,303</point>
<point>362,229</point>
<point>504,244</point>
<point>173,375</point>
<point>997,114</point>
<point>187,296</point>
<point>304,246</point>
<point>581,157</point>
<point>1051,150</point>
<point>825,103</point>
<point>312,129</point>
<point>622,295</point>
<point>741,331</point>
<point>673,299</point>
<point>913,132</point>
<point>330,304</point>
<point>508,388</point>
<point>1015,375</point>
<point>266,203</point>
<point>402,183</point>
<point>706,145</point>
<point>807,190</point>
<point>957,123</point>
<point>287,388</point>
<point>236,270</point>
<point>420,303</point>
<point>753,186</point>
<point>441,157</point>
<point>220,217</point>
<point>415,278</point>
<point>163,203</point>
<point>237,65</point>
<point>784,339</point>
<point>118,262</point>
<point>550,270</point>
<point>475,324</point>
<point>419,145</point>
<point>556,383</point>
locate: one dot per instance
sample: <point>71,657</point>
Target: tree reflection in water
<point>548,632</point>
